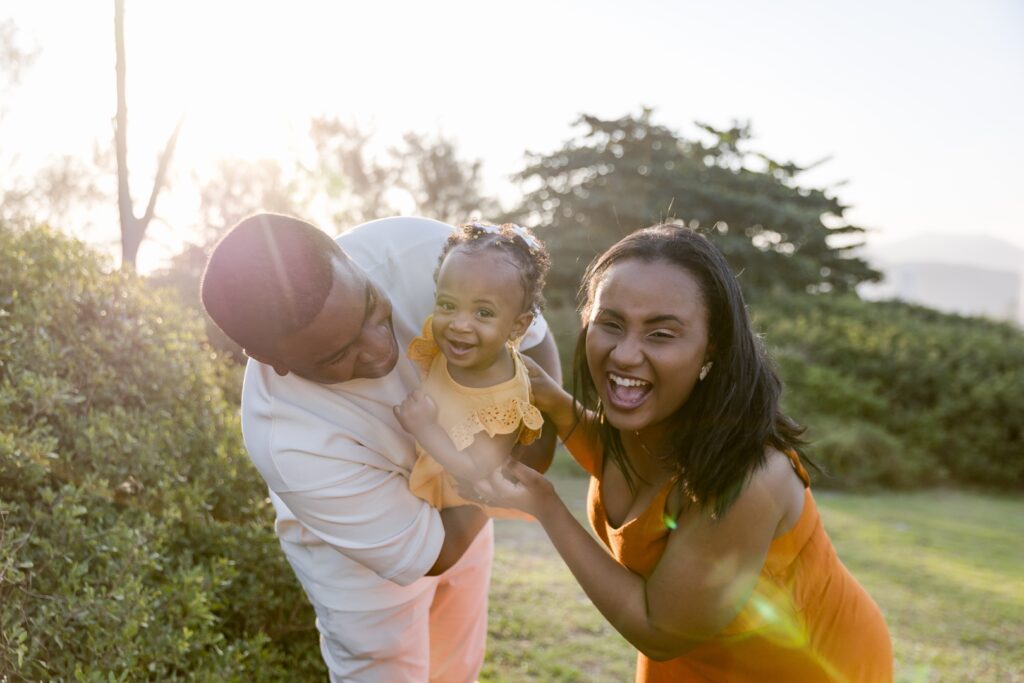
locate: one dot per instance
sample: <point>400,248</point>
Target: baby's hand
<point>416,412</point>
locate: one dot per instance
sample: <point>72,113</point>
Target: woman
<point>719,569</point>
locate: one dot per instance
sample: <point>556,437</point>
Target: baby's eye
<point>445,305</point>
<point>485,313</point>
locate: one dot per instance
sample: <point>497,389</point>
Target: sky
<point>918,106</point>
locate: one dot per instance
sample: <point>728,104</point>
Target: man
<point>399,588</point>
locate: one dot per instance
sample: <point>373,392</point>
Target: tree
<point>357,184</point>
<point>442,185</point>
<point>15,58</point>
<point>133,228</point>
<point>628,173</point>
<point>360,184</point>
<point>238,188</point>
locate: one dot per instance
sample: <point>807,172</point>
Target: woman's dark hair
<point>720,433</point>
<point>519,244</point>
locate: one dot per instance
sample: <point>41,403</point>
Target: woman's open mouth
<point>626,393</point>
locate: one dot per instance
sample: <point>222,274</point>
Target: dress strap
<point>798,467</point>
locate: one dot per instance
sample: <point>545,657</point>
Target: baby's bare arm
<point>475,462</point>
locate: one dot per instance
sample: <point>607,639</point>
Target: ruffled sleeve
<point>423,349</point>
<point>501,418</point>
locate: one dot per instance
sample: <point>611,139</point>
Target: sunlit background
<point>916,105</point>
<point>136,540</point>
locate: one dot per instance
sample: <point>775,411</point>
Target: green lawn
<point>946,567</point>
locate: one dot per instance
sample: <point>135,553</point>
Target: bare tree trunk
<point>133,228</point>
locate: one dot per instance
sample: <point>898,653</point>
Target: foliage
<point>135,538</point>
<point>897,394</point>
<point>629,173</point>
<point>240,187</point>
<point>442,185</point>
<point>360,183</point>
<point>893,395</point>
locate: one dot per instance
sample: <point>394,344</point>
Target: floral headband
<point>530,240</point>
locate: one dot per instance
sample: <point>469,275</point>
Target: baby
<point>474,404</point>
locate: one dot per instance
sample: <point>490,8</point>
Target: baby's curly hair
<point>519,244</point>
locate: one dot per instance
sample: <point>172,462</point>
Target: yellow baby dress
<point>463,412</point>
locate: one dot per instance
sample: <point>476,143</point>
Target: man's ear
<point>279,368</point>
<point>521,324</point>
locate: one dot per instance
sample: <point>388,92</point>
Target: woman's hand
<point>547,394</point>
<point>515,486</point>
<point>416,412</point>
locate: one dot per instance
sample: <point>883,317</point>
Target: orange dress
<point>463,412</point>
<point>807,620</point>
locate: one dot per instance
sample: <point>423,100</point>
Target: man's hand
<point>416,412</point>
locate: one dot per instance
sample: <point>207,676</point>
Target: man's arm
<point>461,525</point>
<point>539,454</point>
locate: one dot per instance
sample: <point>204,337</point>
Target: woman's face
<point>647,339</point>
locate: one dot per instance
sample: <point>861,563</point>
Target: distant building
<point>968,275</point>
<point>952,288</point>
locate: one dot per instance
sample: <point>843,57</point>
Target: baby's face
<point>479,307</point>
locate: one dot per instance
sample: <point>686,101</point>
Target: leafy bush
<point>135,537</point>
<point>860,455</point>
<point>942,395</point>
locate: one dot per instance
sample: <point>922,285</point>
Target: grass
<point>946,567</point>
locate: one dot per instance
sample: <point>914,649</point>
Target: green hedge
<point>900,395</point>
<point>893,395</point>
<point>135,536</point>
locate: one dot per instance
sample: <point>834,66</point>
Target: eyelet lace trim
<point>499,419</point>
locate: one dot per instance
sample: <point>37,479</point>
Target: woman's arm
<point>573,422</point>
<point>540,453</point>
<point>702,581</point>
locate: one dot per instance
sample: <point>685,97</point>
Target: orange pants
<point>439,636</point>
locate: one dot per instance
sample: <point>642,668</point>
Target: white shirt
<point>334,456</point>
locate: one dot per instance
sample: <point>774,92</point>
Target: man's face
<point>352,336</point>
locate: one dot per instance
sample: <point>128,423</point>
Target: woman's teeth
<point>627,381</point>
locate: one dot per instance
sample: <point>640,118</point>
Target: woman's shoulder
<point>781,477</point>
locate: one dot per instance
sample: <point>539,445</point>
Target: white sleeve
<point>535,333</point>
<point>399,539</point>
<point>341,492</point>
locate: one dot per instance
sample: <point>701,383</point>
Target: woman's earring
<point>705,369</point>
<point>600,412</point>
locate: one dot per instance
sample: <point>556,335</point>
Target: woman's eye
<point>663,334</point>
<point>609,325</point>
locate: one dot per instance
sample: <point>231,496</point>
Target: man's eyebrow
<point>368,301</point>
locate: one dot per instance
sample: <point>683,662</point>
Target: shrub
<point>135,537</point>
<point>860,455</point>
<point>940,387</point>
